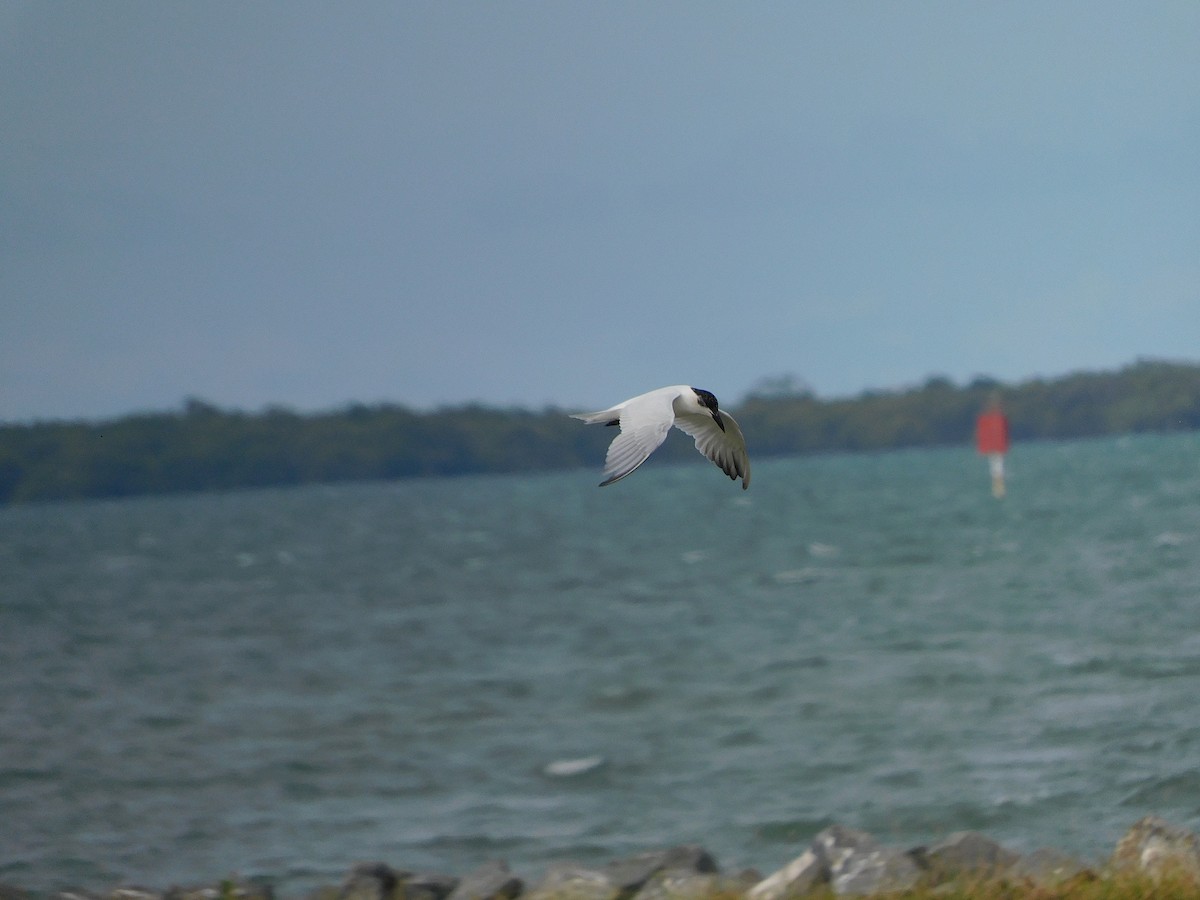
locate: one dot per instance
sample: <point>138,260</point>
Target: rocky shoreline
<point>840,861</point>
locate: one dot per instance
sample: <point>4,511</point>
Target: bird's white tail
<point>603,417</point>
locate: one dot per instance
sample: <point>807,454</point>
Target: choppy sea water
<point>436,673</point>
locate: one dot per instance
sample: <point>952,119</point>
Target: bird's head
<point>709,402</point>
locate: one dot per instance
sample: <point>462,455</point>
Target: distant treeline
<point>201,447</point>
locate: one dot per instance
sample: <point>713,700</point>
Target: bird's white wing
<point>645,421</point>
<point>725,448</point>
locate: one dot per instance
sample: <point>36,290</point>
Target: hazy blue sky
<point>309,204</point>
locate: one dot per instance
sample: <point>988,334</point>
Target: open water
<point>436,673</point>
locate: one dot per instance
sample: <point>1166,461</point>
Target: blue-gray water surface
<point>436,673</point>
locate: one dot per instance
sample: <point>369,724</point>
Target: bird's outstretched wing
<point>725,448</point>
<point>645,421</point>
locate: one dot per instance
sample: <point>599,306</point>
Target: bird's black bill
<point>720,421</point>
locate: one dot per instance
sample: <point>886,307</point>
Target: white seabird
<point>646,419</point>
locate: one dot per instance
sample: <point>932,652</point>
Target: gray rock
<point>428,886</point>
<point>837,844</point>
<point>658,871</point>
<point>876,872</point>
<point>233,888</point>
<point>676,885</point>
<point>192,893</point>
<point>1153,846</point>
<point>858,864</point>
<point>131,892</point>
<point>631,874</point>
<point>371,881</point>
<point>491,881</point>
<point>964,853</point>
<point>851,861</point>
<point>799,876</point>
<point>573,882</point>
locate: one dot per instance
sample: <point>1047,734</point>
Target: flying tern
<point>646,419</point>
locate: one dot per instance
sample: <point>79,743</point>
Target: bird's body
<point>646,419</point>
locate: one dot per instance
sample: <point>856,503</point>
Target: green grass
<point>1087,886</point>
<point>1126,885</point>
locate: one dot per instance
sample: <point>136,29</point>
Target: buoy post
<point>991,440</point>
